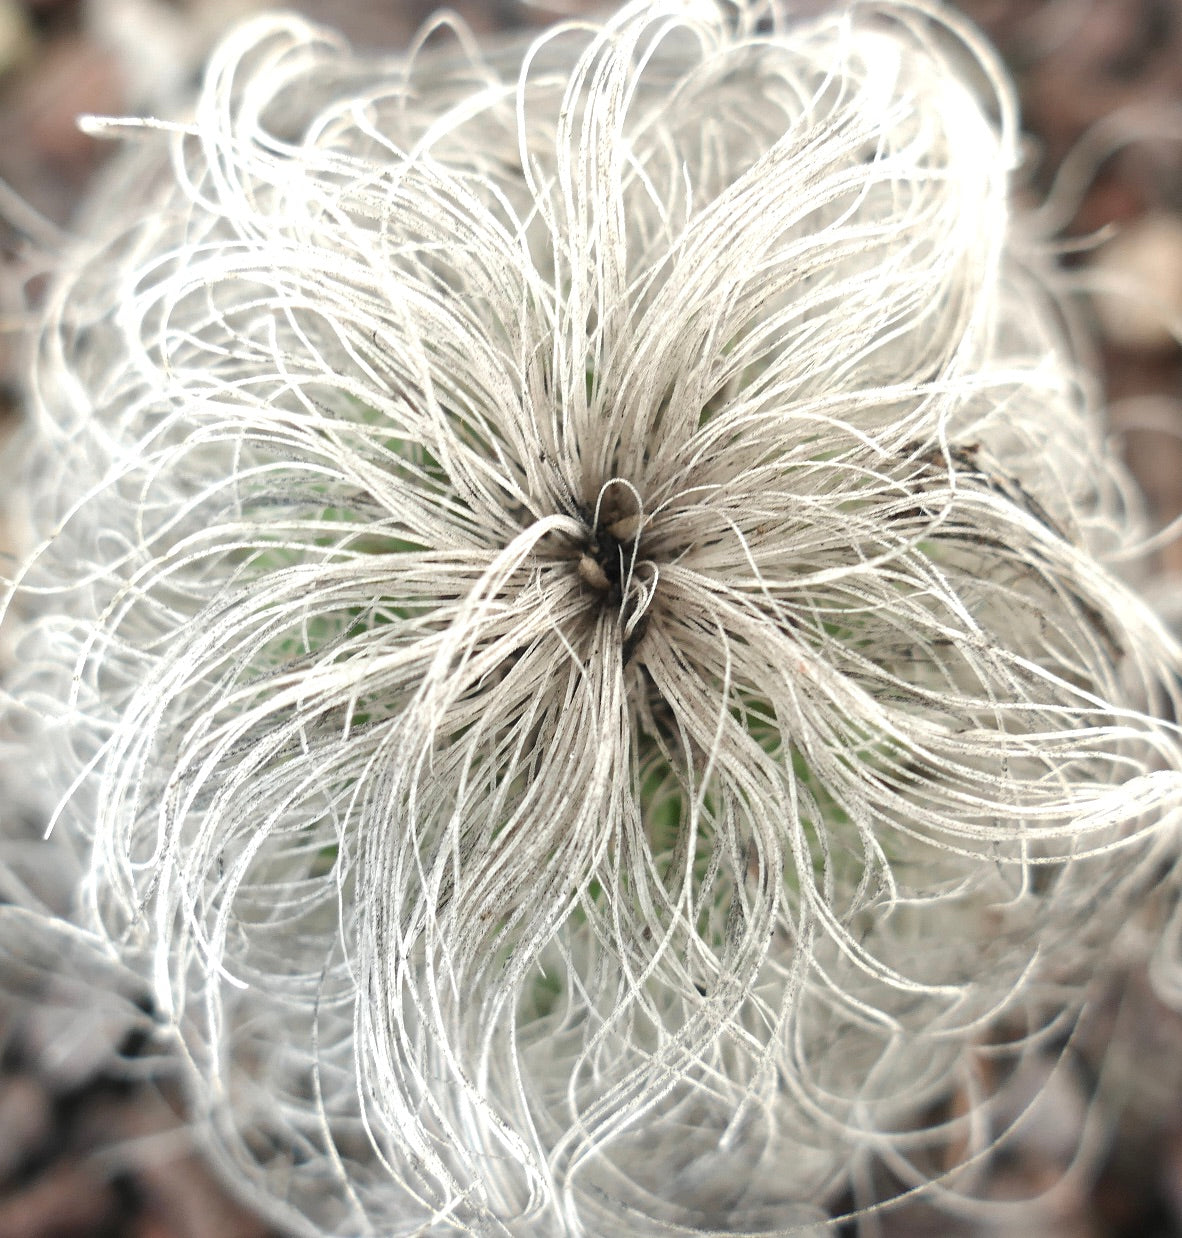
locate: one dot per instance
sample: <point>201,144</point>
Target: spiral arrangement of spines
<point>587,640</point>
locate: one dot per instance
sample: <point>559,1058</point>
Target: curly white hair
<point>592,654</point>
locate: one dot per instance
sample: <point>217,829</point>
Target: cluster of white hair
<point>586,637</point>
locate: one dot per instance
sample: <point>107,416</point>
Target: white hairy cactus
<point>587,641</point>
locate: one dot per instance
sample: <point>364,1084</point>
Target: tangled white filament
<point>588,651</point>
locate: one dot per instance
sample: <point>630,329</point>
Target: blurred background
<point>88,1154</point>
